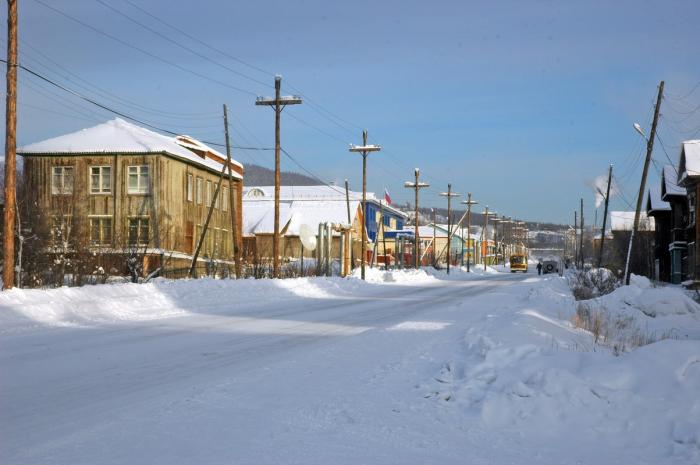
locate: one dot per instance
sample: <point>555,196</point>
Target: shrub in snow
<point>592,283</point>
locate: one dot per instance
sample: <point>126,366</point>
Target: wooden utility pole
<point>278,103</point>
<point>8,270</point>
<point>605,218</point>
<point>233,207</point>
<point>193,265</point>
<point>365,150</point>
<point>416,185</point>
<point>449,194</point>
<point>642,184</point>
<point>469,202</point>
<point>580,249</point>
<point>484,235</point>
<point>575,238</point>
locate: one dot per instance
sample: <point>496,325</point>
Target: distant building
<point>311,206</point>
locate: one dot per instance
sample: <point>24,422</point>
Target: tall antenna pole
<point>605,218</point>
<point>449,194</point>
<point>416,185</point>
<point>278,103</point>
<point>10,148</point>
<point>642,184</point>
<point>365,150</point>
<point>580,249</point>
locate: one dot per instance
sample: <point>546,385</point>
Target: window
<point>207,194</point>
<point>217,201</point>
<point>62,180</point>
<point>199,191</point>
<point>138,179</point>
<point>100,179</point>
<point>138,231</point>
<point>101,230</point>
<point>190,187</point>
<point>224,199</point>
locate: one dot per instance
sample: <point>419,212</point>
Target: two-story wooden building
<point>689,178</point>
<point>117,188</point>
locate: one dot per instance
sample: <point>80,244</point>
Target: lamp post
<point>365,150</point>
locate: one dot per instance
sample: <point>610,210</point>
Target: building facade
<point>120,191</point>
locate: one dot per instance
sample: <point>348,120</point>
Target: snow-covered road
<point>408,368</point>
<point>226,383</point>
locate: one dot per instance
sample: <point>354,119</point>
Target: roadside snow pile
<point>22,309</point>
<point>405,276</point>
<point>528,373</point>
<point>653,312</point>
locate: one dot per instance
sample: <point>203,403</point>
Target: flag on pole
<point>387,199</point>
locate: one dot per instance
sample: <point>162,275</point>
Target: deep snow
<point>409,367</point>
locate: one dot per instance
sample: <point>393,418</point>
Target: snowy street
<point>423,370</point>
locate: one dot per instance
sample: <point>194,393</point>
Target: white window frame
<point>101,240</point>
<point>224,198</point>
<point>199,190</point>
<point>207,194</point>
<point>100,176</point>
<point>692,208</point>
<point>62,190</point>
<point>143,179</point>
<point>139,239</point>
<point>189,187</point>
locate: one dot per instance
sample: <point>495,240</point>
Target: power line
<point>117,112</point>
<point>179,44</point>
<point>145,52</point>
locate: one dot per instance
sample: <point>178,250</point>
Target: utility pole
<point>484,235</point>
<point>416,185</point>
<point>278,103</point>
<point>233,207</point>
<point>434,234</point>
<point>449,194</point>
<point>576,238</point>
<point>580,249</point>
<point>10,148</point>
<point>642,184</point>
<point>365,150</point>
<point>605,217</point>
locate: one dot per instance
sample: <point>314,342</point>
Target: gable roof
<point>689,163</point>
<point>119,136</point>
<point>317,193</point>
<point>669,186</point>
<point>655,204</point>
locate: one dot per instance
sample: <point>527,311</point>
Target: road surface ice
<point>407,368</point>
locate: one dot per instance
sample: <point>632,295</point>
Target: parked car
<point>550,266</point>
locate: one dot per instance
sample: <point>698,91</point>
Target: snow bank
<point>527,372</point>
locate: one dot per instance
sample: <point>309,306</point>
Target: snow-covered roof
<point>317,193</point>
<point>624,221</point>
<point>198,145</point>
<point>259,217</point>
<point>654,202</point>
<point>669,183</point>
<point>119,136</point>
<point>689,164</point>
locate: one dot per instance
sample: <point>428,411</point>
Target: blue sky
<point>521,103</point>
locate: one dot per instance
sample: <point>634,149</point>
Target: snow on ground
<point>410,367</point>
